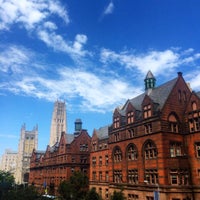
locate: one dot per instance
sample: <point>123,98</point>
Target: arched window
<point>173,123</point>
<point>150,150</point>
<point>117,154</point>
<point>194,106</point>
<point>132,152</point>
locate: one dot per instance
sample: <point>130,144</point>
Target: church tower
<point>58,122</point>
<point>28,141</point>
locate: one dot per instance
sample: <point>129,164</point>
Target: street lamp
<point>157,193</point>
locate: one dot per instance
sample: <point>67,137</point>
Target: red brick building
<point>152,147</point>
<point>48,168</point>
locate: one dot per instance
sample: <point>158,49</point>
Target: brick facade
<point>153,145</point>
<point>57,163</point>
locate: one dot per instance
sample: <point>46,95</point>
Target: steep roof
<point>102,133</point>
<point>198,94</point>
<point>158,95</point>
<point>69,138</point>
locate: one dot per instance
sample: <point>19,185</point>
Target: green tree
<point>92,195</point>
<point>21,192</point>
<point>76,188</point>
<point>118,196</point>
<point>80,184</point>
<point>6,182</point>
<point>65,190</point>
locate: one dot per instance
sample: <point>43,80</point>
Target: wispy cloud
<point>94,89</point>
<point>9,136</point>
<point>109,9</point>
<point>35,17</point>
<point>93,92</point>
<point>157,61</point>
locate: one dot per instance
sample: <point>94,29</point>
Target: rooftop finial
<point>150,81</point>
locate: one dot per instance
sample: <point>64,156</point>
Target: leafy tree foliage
<point>76,188</point>
<point>65,190</point>
<point>22,193</point>
<point>118,196</point>
<point>6,182</point>
<point>92,195</point>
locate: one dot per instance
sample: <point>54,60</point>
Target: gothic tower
<point>58,122</point>
<point>28,141</point>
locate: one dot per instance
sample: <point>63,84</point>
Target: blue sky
<point>92,54</point>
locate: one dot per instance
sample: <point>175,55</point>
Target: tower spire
<point>150,82</point>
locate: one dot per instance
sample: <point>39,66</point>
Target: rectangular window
<point>100,160</point>
<point>148,128</point>
<point>147,111</point>
<point>175,149</point>
<point>117,176</point>
<point>197,146</point>
<point>179,177</point>
<point>151,176</point>
<point>107,176</point>
<point>133,176</point>
<point>94,176</point>
<point>106,160</point>
<point>116,122</point>
<point>130,117</point>
<point>100,176</point>
<point>93,161</point>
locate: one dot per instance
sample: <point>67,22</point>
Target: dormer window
<point>130,117</point>
<point>173,123</point>
<point>116,122</point>
<point>147,111</point>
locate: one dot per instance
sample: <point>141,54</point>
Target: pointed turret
<point>150,82</point>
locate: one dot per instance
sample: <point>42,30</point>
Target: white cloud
<point>157,61</point>
<point>57,42</point>
<point>35,16</point>
<point>93,92</point>
<point>109,9</point>
<point>29,12</point>
<point>13,59</point>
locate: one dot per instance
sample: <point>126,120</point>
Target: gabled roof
<point>158,95</point>
<point>102,133</point>
<point>38,154</point>
<point>198,94</point>
<point>69,138</point>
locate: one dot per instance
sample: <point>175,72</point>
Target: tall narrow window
<point>148,128</point>
<point>116,122</point>
<point>173,123</point>
<point>117,155</point>
<point>130,117</point>
<point>147,111</point>
<point>132,152</point>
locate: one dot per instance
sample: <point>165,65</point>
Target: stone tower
<point>28,141</point>
<point>58,122</point>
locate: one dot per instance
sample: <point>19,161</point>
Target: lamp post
<point>157,193</point>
